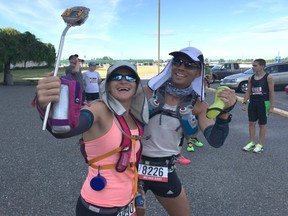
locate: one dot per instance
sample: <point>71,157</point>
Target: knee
<point>252,124</point>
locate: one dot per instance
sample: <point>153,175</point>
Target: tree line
<point>22,47</point>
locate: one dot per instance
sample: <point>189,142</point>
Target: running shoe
<point>182,160</point>
<point>249,147</point>
<point>195,141</point>
<point>258,148</point>
<point>190,147</point>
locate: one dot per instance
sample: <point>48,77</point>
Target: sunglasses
<point>118,77</point>
<point>188,65</point>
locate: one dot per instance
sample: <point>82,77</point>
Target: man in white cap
<point>178,88</point>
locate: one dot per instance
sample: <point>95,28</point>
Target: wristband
<point>229,108</point>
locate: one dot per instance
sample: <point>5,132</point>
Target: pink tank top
<point>119,188</point>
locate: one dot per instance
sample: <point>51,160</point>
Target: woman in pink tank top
<point>111,128</point>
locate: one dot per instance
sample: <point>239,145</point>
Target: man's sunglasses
<point>188,65</point>
<point>118,77</point>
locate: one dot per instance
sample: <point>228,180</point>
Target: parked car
<point>221,70</point>
<point>279,72</point>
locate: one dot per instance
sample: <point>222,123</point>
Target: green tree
<point>107,58</point>
<point>34,50</point>
<point>51,55</point>
<point>17,47</point>
<point>10,52</point>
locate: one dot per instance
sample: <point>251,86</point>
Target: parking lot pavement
<point>42,176</point>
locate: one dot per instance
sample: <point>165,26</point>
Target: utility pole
<point>189,43</point>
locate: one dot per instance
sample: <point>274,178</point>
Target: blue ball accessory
<point>98,182</point>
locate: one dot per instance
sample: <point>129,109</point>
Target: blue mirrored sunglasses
<point>118,77</point>
<point>188,65</point>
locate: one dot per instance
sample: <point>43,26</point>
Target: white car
<point>279,72</point>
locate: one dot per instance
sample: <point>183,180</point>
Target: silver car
<point>279,72</point>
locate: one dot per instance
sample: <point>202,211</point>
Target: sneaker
<point>182,160</point>
<point>190,147</point>
<point>195,141</point>
<point>249,147</point>
<point>258,148</point>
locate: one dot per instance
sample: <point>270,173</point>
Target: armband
<point>224,121</point>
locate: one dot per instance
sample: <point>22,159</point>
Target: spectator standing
<point>260,93</point>
<point>74,69</point>
<point>92,80</point>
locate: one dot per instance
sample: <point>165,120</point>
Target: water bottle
<point>153,103</point>
<point>139,201</point>
<point>217,107</point>
<point>60,111</point>
<point>188,120</point>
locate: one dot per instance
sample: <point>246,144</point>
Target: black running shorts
<point>169,189</point>
<point>258,110</point>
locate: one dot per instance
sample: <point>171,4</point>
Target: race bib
<point>153,173</point>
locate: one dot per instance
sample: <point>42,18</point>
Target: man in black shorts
<point>180,85</point>
<point>260,93</point>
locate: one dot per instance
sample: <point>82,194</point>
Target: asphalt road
<point>42,176</point>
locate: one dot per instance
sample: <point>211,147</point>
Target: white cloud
<point>277,25</point>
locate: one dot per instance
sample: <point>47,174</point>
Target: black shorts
<point>169,189</point>
<point>92,96</point>
<point>258,110</point>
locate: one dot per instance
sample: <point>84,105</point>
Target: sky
<point>128,29</point>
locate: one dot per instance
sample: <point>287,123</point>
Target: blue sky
<point>124,29</point>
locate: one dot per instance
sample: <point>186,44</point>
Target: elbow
<point>216,135</point>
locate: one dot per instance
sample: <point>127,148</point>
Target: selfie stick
<point>75,16</point>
